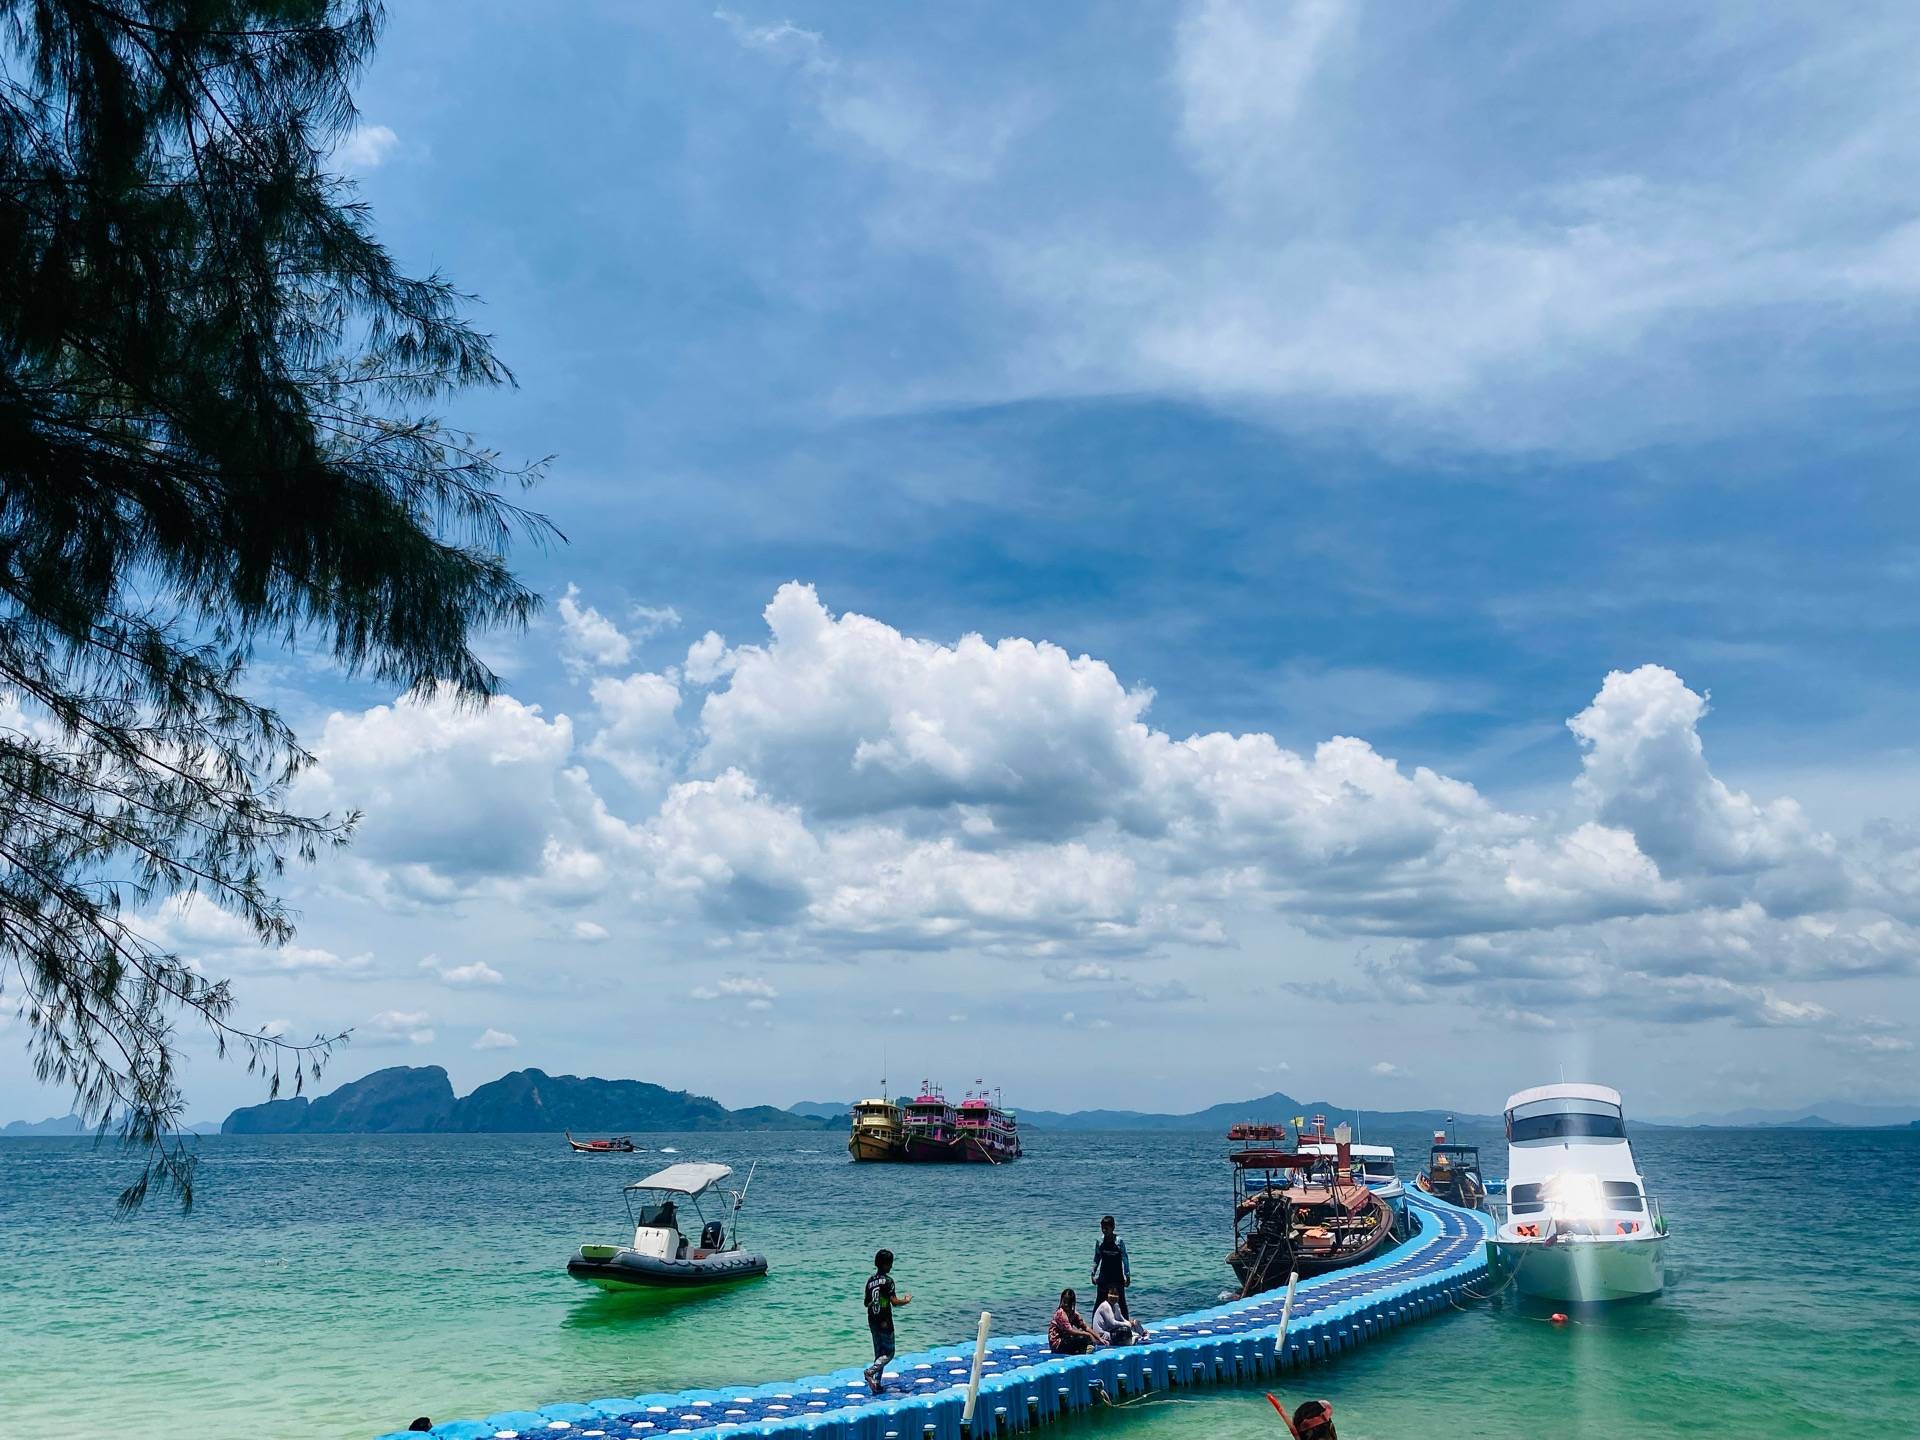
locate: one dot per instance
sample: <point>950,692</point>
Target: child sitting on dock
<point>1067,1333</point>
<point>1111,1324</point>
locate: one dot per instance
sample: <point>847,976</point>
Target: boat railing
<point>1500,1207</point>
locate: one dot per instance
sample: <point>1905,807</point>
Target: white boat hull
<point>1586,1271</point>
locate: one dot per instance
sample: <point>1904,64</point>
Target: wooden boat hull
<point>621,1146</point>
<point>965,1150</point>
<point>1462,1192</point>
<point>874,1146</point>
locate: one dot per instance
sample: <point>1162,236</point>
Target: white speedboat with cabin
<point>1373,1165</point>
<point>1576,1224</point>
<point>660,1255</point>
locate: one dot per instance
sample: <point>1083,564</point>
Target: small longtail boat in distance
<point>617,1145</point>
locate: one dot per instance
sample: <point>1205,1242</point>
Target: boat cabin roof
<point>1363,1152</point>
<point>688,1178</point>
<point>1569,1091</point>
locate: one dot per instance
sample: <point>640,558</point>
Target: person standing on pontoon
<point>1111,1272</point>
<point>882,1299</point>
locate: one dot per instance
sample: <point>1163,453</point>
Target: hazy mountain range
<point>1828,1114</point>
<point>1275,1107</point>
<point>74,1125</point>
<point>420,1099</point>
<point>1824,1114</point>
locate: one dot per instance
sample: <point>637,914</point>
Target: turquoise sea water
<point>339,1286</point>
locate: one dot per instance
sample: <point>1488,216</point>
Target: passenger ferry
<point>1576,1224</point>
<point>929,1129</point>
<point>876,1132</point>
<point>986,1132</point>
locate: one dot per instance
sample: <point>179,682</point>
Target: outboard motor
<point>713,1236</point>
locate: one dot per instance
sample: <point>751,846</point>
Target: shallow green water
<point>338,1286</point>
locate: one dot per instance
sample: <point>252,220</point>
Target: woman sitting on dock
<point>1067,1333</point>
<point>1111,1324</point>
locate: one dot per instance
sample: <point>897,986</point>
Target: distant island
<point>74,1125</point>
<point>410,1099</point>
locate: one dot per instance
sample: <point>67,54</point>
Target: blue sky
<point>1388,372</point>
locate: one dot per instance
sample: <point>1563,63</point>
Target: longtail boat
<point>617,1145</point>
<point>1287,1218</point>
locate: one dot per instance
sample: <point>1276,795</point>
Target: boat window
<point>1525,1200</point>
<point>1623,1195</point>
<point>1378,1167</point>
<point>1562,1123</point>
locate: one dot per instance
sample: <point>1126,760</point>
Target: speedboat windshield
<point>658,1211</point>
<point>1565,1116</point>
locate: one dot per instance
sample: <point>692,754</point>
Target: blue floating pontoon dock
<point>1023,1385</point>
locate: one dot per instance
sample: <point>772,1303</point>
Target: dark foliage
<point>215,432</point>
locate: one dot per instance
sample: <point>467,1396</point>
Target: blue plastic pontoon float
<point>1023,1385</point>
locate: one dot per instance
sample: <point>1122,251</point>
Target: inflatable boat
<point>660,1255</point>
<point>618,1267</point>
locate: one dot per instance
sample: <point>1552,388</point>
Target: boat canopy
<point>1259,1159</point>
<point>689,1178</point>
<point>1324,1148</point>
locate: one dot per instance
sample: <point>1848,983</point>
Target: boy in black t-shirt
<point>882,1299</point>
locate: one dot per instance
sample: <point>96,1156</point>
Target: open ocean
<point>337,1286</point>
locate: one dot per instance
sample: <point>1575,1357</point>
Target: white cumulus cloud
<point>589,641</point>
<point>474,972</point>
<point>844,787</point>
